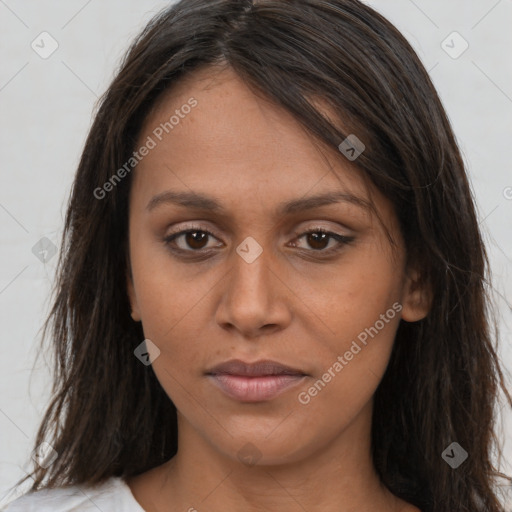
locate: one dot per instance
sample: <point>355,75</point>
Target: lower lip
<point>255,389</point>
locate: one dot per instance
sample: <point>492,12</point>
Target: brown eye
<point>190,240</point>
<point>196,239</point>
<point>319,239</point>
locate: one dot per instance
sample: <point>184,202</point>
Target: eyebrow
<point>199,201</point>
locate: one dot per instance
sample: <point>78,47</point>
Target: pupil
<point>317,238</point>
<point>194,239</point>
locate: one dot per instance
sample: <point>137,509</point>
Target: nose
<point>255,298</point>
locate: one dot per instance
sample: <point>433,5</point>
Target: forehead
<point>236,144</point>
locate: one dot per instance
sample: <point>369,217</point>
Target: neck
<point>339,477</point>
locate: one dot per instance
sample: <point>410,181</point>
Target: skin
<point>290,305</point>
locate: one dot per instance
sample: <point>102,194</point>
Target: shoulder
<point>112,495</point>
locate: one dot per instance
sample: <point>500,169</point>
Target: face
<point>236,256</point>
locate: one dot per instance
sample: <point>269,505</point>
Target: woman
<point>271,250</point>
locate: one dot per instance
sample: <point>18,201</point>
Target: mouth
<point>254,382</point>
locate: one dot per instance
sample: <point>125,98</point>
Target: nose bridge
<point>250,276</point>
<point>251,296</point>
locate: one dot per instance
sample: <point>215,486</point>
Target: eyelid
<point>316,229</point>
<point>296,232</point>
<point>196,225</point>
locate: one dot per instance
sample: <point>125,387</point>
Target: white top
<point>113,495</point>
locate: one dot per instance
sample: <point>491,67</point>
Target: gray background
<point>46,109</point>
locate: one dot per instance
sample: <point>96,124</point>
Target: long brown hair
<point>444,376</point>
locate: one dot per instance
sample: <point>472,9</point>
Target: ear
<point>135,313</point>
<point>417,297</point>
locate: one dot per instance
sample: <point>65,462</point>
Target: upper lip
<point>256,369</point>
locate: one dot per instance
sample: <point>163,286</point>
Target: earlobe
<point>135,313</point>
<point>417,298</point>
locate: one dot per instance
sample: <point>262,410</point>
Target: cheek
<point>351,370</point>
<point>176,315</point>
<point>352,295</point>
<point>359,308</point>
<point>168,293</point>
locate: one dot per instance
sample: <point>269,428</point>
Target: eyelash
<point>341,239</point>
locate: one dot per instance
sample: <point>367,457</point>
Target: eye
<point>193,239</point>
<point>318,239</point>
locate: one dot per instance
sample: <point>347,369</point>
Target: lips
<point>254,382</point>
<point>257,369</point>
